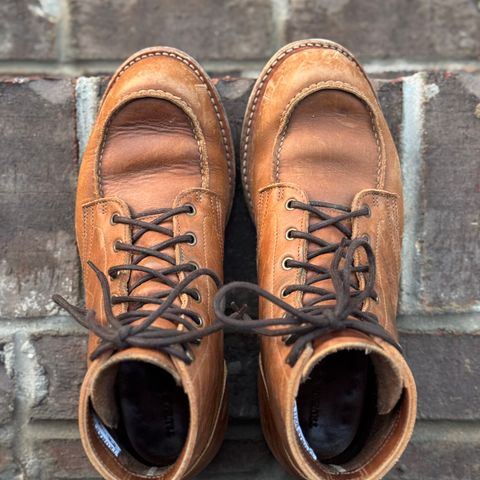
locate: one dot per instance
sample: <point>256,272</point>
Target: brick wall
<point>424,56</point>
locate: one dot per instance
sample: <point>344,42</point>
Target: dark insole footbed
<point>337,404</point>
<point>154,413</point>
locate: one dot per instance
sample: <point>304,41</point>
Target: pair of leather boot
<point>321,177</point>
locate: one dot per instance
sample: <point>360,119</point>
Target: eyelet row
<point>198,297</point>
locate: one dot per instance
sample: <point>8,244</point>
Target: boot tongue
<point>149,288</point>
<point>330,234</point>
<point>103,382</point>
<point>388,371</point>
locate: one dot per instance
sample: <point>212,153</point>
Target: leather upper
<point>314,131</point>
<point>161,140</point>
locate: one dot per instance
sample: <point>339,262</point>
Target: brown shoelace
<point>120,333</point>
<point>315,318</point>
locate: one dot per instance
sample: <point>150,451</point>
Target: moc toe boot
<point>322,179</point>
<point>154,193</point>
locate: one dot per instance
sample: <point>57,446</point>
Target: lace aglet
<point>240,312</point>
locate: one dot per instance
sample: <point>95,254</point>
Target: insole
<point>154,413</point>
<point>337,404</point>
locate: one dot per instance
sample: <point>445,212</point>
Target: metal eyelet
<point>288,234</point>
<point>195,265</point>
<point>193,241</point>
<point>113,275</point>
<point>199,321</point>
<point>376,299</point>
<point>284,263</point>
<point>368,215</point>
<point>197,297</point>
<point>116,245</point>
<point>288,203</point>
<point>112,218</point>
<point>366,237</point>
<point>283,294</point>
<point>192,208</point>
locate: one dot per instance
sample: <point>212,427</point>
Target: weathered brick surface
<point>9,467</point>
<point>213,29</point>
<point>62,459</point>
<point>63,361</point>
<point>37,121</point>
<point>390,95</point>
<point>450,245</point>
<point>244,454</point>
<point>28,30</point>
<point>7,383</point>
<point>435,453</point>
<point>447,373</point>
<point>238,29</point>
<point>37,180</point>
<point>440,453</point>
<point>422,30</point>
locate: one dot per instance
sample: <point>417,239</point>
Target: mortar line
<point>463,323</point>
<point>26,381</point>
<point>87,98</point>
<point>81,67</point>
<point>54,429</point>
<point>432,430</point>
<point>425,428</point>
<point>411,148</point>
<point>280,15</point>
<point>60,324</point>
<point>63,33</point>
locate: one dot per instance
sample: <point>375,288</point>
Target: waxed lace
<point>300,326</point>
<point>135,327</point>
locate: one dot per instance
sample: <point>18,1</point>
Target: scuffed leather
<point>161,140</point>
<point>314,130</point>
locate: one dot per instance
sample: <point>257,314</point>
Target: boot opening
<point>141,415</point>
<point>336,406</point>
<point>153,413</point>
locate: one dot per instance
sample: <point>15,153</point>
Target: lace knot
<point>330,319</point>
<point>121,336</point>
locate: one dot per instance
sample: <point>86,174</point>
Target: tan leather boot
<point>154,193</point>
<point>322,178</point>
